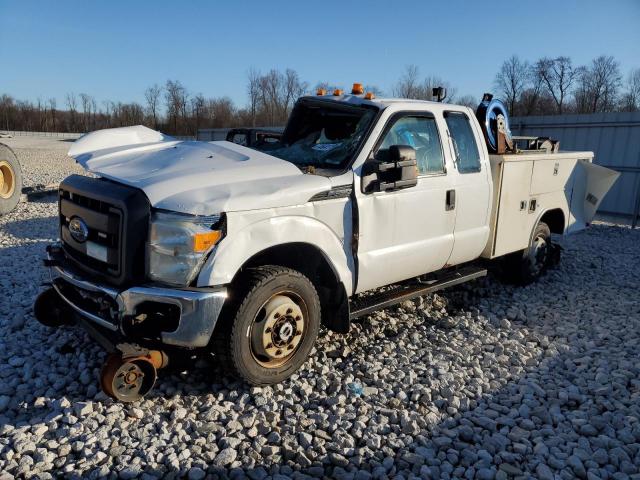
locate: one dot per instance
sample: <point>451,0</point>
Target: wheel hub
<point>277,331</point>
<point>127,380</point>
<point>131,377</point>
<point>7,180</point>
<point>538,253</point>
<point>285,332</point>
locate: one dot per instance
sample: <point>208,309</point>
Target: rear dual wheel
<point>269,331</point>
<point>525,266</point>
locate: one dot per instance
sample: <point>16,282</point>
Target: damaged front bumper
<point>176,317</point>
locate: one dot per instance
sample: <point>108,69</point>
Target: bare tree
<point>94,112</point>
<point>72,105</point>
<point>598,86</point>
<point>557,75</point>
<point>108,110</point>
<point>52,109</point>
<point>512,80</point>
<point>274,94</point>
<point>409,85</point>
<point>468,101</point>
<point>292,89</point>
<point>432,81</point>
<point>6,110</point>
<point>270,86</point>
<point>221,112</point>
<point>152,96</point>
<point>87,101</point>
<point>630,101</point>
<point>176,99</point>
<point>198,110</point>
<point>532,96</point>
<point>253,91</point>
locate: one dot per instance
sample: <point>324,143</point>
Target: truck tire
<point>10,180</point>
<point>268,332</point>
<point>525,266</point>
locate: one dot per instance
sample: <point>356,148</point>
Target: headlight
<point>178,245</point>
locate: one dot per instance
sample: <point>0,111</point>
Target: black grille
<point>116,217</point>
<point>104,222</point>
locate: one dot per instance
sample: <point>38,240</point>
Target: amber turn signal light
<point>203,241</point>
<point>357,89</point>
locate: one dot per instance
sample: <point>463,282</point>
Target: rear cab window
<point>465,147</point>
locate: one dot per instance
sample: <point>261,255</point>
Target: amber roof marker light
<point>369,96</point>
<point>337,92</point>
<point>321,91</point>
<point>357,89</point>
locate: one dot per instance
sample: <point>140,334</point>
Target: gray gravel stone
<point>225,457</point>
<point>196,473</point>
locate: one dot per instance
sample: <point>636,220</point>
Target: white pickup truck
<point>215,247</point>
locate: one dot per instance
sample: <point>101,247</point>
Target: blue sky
<point>115,49</point>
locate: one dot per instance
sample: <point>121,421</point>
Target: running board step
<point>412,290</point>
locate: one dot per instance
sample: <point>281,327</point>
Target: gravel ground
<point>485,381</point>
<point>44,160</point>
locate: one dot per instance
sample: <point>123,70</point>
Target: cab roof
<point>380,103</point>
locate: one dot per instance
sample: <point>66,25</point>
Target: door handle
<point>451,200</point>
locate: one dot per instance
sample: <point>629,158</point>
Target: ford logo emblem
<point>78,229</point>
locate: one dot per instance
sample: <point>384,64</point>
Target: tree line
<point>546,86</point>
<point>555,86</point>
<point>171,108</point>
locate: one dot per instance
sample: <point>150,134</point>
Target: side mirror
<point>399,170</point>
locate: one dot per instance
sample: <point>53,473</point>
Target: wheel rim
<point>278,329</point>
<point>128,381</point>
<point>538,254</point>
<point>7,179</point>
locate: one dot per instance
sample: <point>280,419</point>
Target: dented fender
<point>242,243</point>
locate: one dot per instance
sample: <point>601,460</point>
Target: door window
<point>464,142</point>
<point>421,133</point>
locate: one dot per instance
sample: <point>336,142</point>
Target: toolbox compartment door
<point>591,184</point>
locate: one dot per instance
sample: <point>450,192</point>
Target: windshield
<point>323,134</point>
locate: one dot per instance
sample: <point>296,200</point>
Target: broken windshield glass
<point>323,134</point>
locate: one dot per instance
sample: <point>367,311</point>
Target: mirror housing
<point>399,171</point>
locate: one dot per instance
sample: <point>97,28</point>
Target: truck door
<point>408,232</point>
<point>472,185</point>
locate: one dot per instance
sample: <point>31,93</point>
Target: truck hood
<point>198,178</point>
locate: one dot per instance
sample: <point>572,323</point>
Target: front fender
<point>238,247</point>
